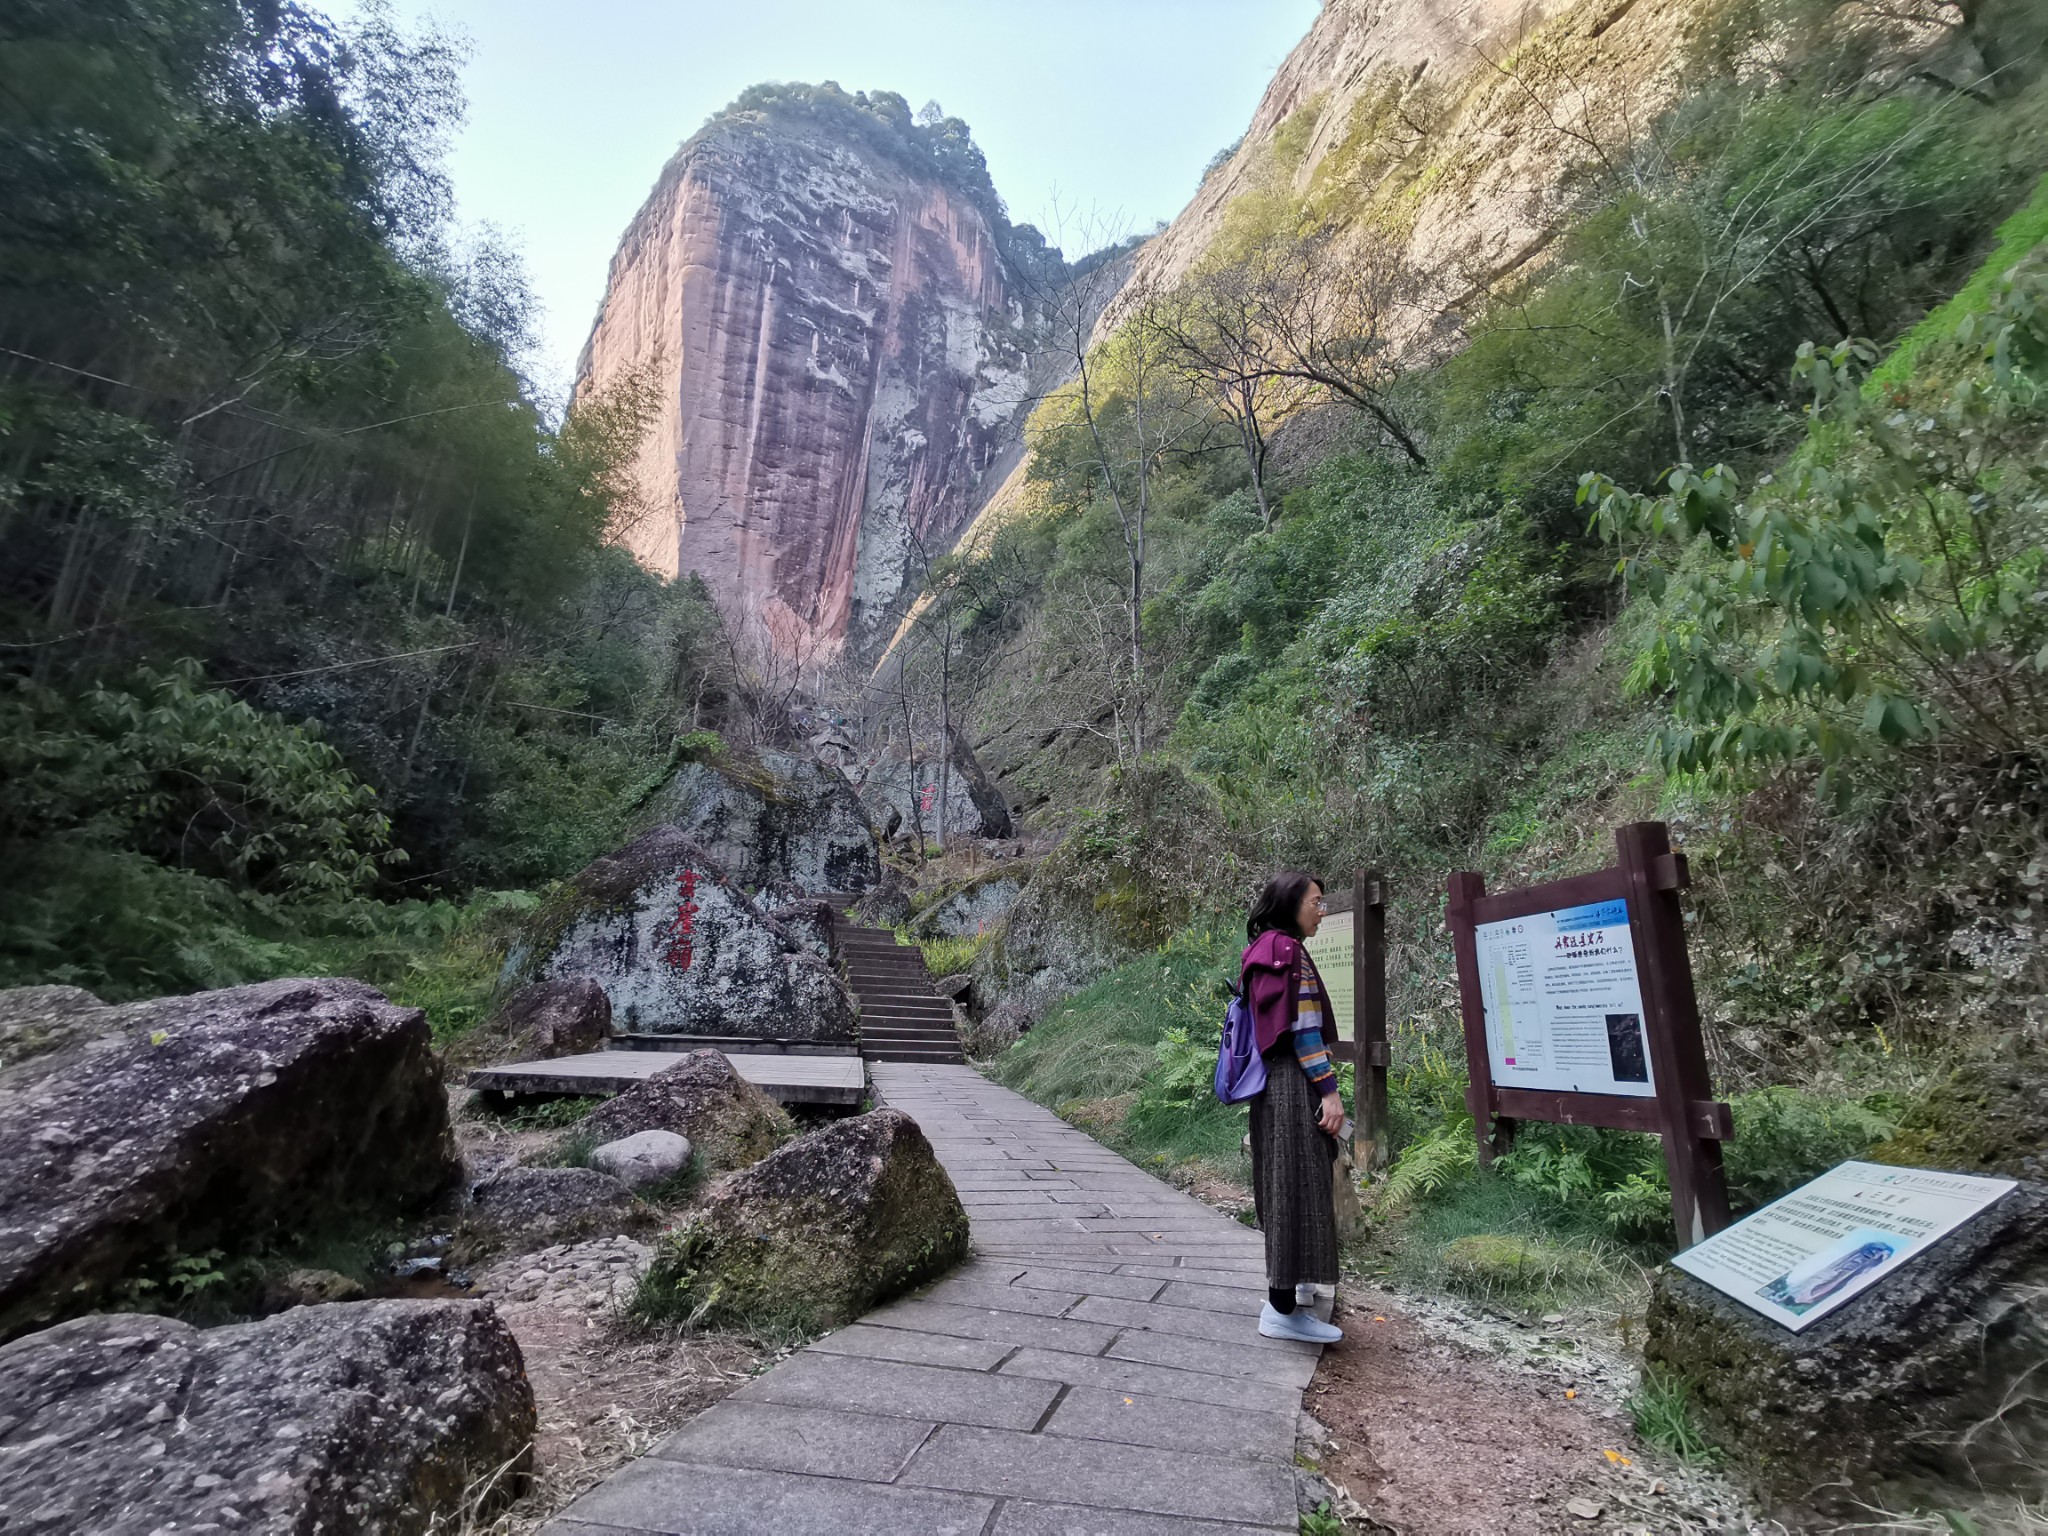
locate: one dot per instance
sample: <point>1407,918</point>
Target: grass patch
<point>1490,1239</point>
<point>679,1188</point>
<point>1131,1059</point>
<point>1663,1413</point>
<point>2018,235</point>
<point>949,957</point>
<point>551,1114</point>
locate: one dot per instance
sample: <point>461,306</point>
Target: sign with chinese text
<point>1563,1005</point>
<point>1331,951</point>
<point>1807,1253</point>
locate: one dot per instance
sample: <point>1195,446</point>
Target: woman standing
<point>1295,1120</point>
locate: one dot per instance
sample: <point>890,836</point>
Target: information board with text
<point>1807,1253</point>
<point>1331,951</point>
<point>1564,1007</point>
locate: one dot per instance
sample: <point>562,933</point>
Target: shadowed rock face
<point>522,1209</point>
<point>376,1416</point>
<point>546,1019</point>
<point>219,1120</point>
<point>828,334</point>
<point>799,824</point>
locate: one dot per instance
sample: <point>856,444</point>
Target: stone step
<point>893,1054</point>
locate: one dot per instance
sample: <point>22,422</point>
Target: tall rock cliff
<point>835,339</point>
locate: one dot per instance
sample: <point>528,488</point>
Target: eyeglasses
<point>1322,905</point>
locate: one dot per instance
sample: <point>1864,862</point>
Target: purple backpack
<point>1240,1070</point>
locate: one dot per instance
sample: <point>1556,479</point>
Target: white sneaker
<point>1296,1325</point>
<point>1308,1293</point>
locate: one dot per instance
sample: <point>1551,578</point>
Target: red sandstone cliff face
<point>833,341</point>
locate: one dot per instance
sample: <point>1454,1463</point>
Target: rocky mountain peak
<point>817,291</point>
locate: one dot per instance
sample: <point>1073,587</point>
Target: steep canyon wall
<point>836,353</point>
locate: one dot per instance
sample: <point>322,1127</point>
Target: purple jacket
<point>1272,968</point>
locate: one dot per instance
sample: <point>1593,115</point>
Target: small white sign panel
<point>1806,1253</point>
<point>1331,951</point>
<point>1564,1010</point>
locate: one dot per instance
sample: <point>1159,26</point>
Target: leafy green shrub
<point>1785,1136</point>
<point>1882,591</point>
<point>1429,1166</point>
<point>191,777</point>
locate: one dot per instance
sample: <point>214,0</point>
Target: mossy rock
<point>1915,1393</point>
<point>1494,1263</point>
<point>814,1234</point>
<point>727,1119</point>
<point>1991,1117</point>
<point>783,822</point>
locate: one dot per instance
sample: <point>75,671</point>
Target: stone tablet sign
<point>1579,1009</point>
<point>1807,1253</point>
<point>1564,1009</point>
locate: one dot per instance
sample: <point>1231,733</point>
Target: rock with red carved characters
<point>680,949</point>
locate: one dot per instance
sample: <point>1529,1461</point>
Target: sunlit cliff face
<point>828,337</point>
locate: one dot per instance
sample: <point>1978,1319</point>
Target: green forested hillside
<point>1655,536</point>
<point>305,610</point>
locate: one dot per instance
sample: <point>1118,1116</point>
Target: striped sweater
<point>1309,1017</point>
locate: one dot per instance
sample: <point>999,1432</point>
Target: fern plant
<point>1429,1166</point>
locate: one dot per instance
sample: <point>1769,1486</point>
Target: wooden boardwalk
<point>1094,1368</point>
<point>791,1079</point>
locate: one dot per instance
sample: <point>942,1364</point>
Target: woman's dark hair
<point>1279,904</point>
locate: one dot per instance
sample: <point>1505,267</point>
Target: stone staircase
<point>901,1017</point>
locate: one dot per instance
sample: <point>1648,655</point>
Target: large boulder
<point>914,793</point>
<point>519,1209</point>
<point>785,821</point>
<point>729,1121</point>
<point>974,906</point>
<point>680,949</point>
<point>817,1232</point>
<point>1057,937</point>
<point>378,1416</point>
<point>814,924</point>
<point>225,1120</point>
<point>546,1019</point>
<point>1916,1392</point>
<point>887,904</point>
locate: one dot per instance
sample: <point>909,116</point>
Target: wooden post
<point>1466,887</point>
<point>1371,1145</point>
<point>1655,874</point>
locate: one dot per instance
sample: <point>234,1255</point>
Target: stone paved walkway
<point>1093,1368</point>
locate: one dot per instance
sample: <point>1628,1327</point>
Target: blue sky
<point>1110,105</point>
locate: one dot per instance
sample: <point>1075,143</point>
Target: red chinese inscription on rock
<point>681,932</point>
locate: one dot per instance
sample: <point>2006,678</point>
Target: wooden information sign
<point>1350,952</point>
<point>1579,1009</point>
